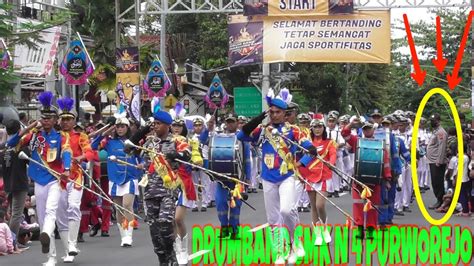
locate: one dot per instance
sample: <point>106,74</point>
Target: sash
<point>283,151</point>
<point>322,155</point>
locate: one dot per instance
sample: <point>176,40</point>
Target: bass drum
<point>368,161</point>
<point>225,155</point>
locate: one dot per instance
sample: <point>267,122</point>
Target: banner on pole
<point>362,37</point>
<point>127,65</point>
<point>76,66</point>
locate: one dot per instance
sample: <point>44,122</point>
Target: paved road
<point>107,251</point>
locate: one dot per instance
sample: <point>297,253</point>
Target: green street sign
<point>247,101</point>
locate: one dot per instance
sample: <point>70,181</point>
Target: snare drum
<point>369,161</point>
<point>225,154</point>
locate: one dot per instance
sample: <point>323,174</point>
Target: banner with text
<point>297,7</point>
<point>363,37</point>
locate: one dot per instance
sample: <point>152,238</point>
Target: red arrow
<point>418,75</point>
<point>439,62</point>
<point>453,79</point>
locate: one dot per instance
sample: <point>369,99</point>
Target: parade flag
<point>4,55</point>
<point>297,7</point>
<point>76,66</point>
<point>216,97</point>
<point>362,37</point>
<point>131,104</point>
<point>156,82</point>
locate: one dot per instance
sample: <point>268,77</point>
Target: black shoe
<point>94,230</point>
<point>255,190</point>
<point>427,188</point>
<point>80,238</point>
<point>330,195</point>
<point>203,209</point>
<point>225,232</point>
<point>435,206</point>
<point>104,234</point>
<point>336,194</point>
<point>260,186</point>
<point>305,209</point>
<point>44,239</point>
<point>300,209</point>
<point>399,213</point>
<point>370,232</point>
<point>360,232</point>
<point>212,204</point>
<point>406,209</point>
<point>195,209</point>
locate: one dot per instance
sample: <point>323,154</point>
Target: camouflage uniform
<point>161,202</point>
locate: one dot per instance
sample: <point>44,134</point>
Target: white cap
<point>122,121</point>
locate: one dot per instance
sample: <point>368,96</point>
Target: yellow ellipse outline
<point>414,175</point>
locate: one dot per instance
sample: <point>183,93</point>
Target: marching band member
<point>229,214</point>
<point>423,167</point>
<point>185,200</point>
<point>403,197</point>
<point>334,133</point>
<point>277,169</point>
<point>359,203</point>
<point>49,148</point>
<point>161,192</point>
<point>123,179</point>
<point>317,173</point>
<point>199,176</point>
<point>304,125</point>
<point>69,213</point>
<point>387,209</point>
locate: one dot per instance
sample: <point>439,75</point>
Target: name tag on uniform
<point>269,160</point>
<point>51,155</point>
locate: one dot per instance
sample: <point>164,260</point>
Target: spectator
<point>466,187</point>
<point>15,177</point>
<point>6,239</point>
<point>436,155</point>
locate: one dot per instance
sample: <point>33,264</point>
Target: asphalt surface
<point>107,251</point>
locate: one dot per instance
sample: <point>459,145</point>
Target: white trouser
<point>302,198</point>
<point>335,184</point>
<point>407,188</point>
<point>69,206</point>
<point>280,202</point>
<point>254,173</point>
<point>47,201</point>
<point>200,177</point>
<point>403,197</point>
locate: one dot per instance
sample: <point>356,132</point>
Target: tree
<point>405,93</point>
<point>28,34</point>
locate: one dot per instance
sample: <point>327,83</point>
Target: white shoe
<point>299,249</point>
<point>51,262</point>
<point>318,236</point>
<point>127,240</point>
<point>292,257</point>
<point>73,232</point>
<point>326,235</point>
<point>68,259</point>
<point>280,260</point>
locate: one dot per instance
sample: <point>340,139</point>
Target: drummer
<point>361,205</point>
<point>228,215</point>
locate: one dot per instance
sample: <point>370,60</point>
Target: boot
<point>128,237</point>
<point>181,250</point>
<point>80,238</point>
<point>64,239</point>
<point>184,250</point>
<point>122,234</point>
<point>317,234</point>
<point>326,235</point>
<point>73,232</point>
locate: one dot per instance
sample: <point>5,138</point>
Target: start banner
<point>297,7</point>
<point>362,37</point>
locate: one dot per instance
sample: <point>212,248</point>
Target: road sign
<point>247,101</point>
